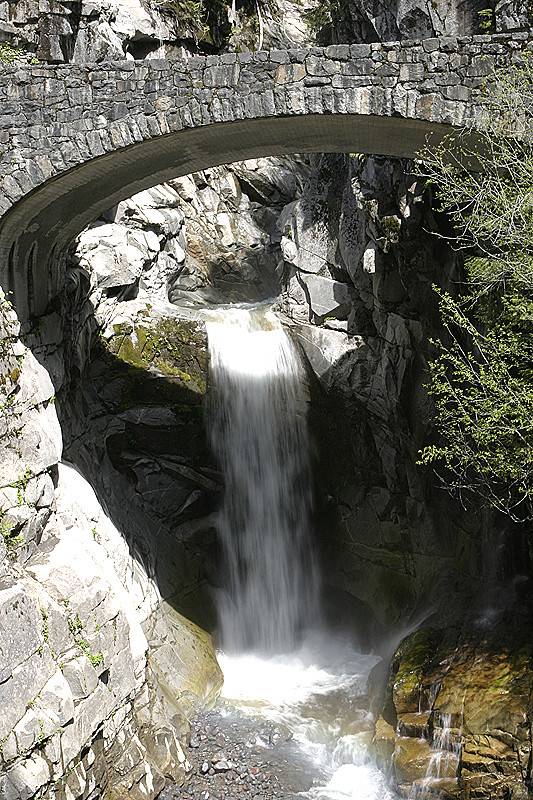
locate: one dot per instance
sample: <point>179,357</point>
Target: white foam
<point>300,692</point>
<point>353,782</point>
<point>276,682</point>
<point>243,348</point>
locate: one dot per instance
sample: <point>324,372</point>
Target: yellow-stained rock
<point>476,684</point>
<point>411,759</point>
<point>383,744</point>
<point>416,725</point>
<point>182,661</point>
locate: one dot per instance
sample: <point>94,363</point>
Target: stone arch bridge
<point>77,139</point>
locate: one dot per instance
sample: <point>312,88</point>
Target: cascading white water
<point>258,429</point>
<point>444,761</point>
<point>276,662</point>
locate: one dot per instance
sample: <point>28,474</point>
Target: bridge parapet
<point>54,117</point>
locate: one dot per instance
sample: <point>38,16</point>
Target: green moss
<point>12,540</point>
<point>75,627</point>
<point>20,485</point>
<point>12,55</point>
<point>390,228</point>
<point>412,659</point>
<point>172,348</point>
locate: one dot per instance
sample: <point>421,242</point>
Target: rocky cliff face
<point>107,30</point>
<point>358,271</point>
<point>91,601</point>
<point>83,707</point>
<point>134,426</point>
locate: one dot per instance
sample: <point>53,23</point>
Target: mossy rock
<point>175,349</point>
<point>164,364</point>
<point>182,661</point>
<point>478,681</point>
<point>411,661</point>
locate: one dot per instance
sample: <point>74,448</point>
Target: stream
<point>318,694</point>
<point>288,727</point>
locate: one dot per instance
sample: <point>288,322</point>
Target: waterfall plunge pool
<point>317,693</point>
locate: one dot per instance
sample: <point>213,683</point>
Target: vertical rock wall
<point>359,267</point>
<point>83,707</point>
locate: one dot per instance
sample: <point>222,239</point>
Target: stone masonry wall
<point>100,110</point>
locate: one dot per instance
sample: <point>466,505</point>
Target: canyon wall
<point>110,558</point>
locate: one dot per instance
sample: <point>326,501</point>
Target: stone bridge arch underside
<point>77,139</point>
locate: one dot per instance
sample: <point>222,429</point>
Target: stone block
<point>411,759</point>
<point>70,743</point>
<point>430,45</point>
<point>290,73</point>
<point>22,687</point>
<point>81,676</point>
<point>317,80</point>
<point>28,730</point>
<point>358,51</point>
<point>383,744</point>
<point>28,776</point>
<point>339,52</point>
<point>191,678</point>
<point>91,711</point>
<point>313,100</point>
<point>326,296</point>
<point>56,698</point>
<point>20,629</point>
<point>223,75</point>
<point>412,72</point>
<point>360,66</point>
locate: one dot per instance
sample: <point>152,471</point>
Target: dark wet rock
<point>463,686</point>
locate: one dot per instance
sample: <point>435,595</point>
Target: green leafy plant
<point>20,484</point>
<point>189,12</point>
<point>75,627</point>
<point>204,20</point>
<point>12,55</point>
<point>482,386</point>
<point>481,378</point>
<point>12,540</point>
<point>486,20</point>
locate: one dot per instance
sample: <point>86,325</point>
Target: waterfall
<point>444,762</point>
<point>258,430</point>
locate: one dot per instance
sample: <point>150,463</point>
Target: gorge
<point>113,498</point>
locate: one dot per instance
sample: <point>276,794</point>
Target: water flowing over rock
<point>99,594</point>
<point>454,721</point>
<point>258,430</point>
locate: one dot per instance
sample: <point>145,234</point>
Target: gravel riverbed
<point>240,758</point>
